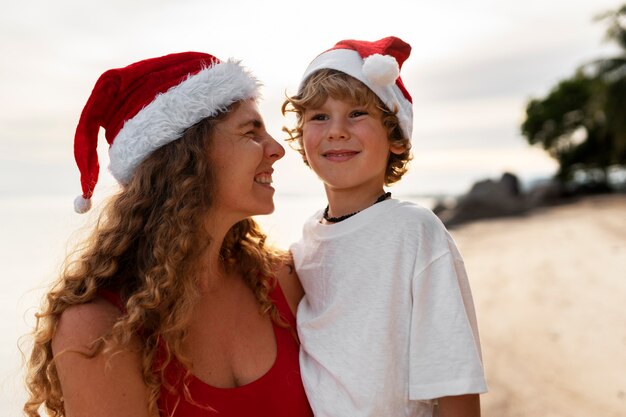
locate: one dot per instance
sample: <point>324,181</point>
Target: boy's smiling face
<point>346,145</point>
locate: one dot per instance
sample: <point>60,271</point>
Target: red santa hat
<point>377,65</point>
<point>149,104</point>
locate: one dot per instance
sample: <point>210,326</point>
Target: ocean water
<point>36,233</point>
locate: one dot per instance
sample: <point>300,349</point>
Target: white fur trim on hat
<point>350,62</point>
<point>202,95</point>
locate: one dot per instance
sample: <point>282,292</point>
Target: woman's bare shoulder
<point>82,324</point>
<point>105,384</point>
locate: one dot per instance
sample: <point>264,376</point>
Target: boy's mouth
<point>339,154</point>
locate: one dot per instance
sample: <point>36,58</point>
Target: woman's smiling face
<point>243,153</point>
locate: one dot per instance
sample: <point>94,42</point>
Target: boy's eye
<point>357,113</point>
<point>319,116</point>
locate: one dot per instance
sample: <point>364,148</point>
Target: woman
<point>175,306</point>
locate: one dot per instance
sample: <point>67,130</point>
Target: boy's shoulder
<point>413,218</point>
<point>413,213</point>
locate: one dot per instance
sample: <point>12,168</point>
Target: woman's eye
<point>251,135</point>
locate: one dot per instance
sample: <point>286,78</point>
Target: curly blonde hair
<point>327,83</point>
<point>146,246</point>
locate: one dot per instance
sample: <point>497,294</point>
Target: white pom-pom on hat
<point>82,204</point>
<point>381,70</point>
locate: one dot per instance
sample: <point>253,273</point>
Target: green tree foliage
<point>582,121</point>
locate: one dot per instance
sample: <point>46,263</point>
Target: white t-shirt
<point>387,323</point>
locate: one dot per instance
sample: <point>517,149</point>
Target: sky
<point>473,67</point>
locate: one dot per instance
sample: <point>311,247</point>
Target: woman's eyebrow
<point>256,123</point>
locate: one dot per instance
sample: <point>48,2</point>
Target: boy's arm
<point>290,284</point>
<point>460,406</point>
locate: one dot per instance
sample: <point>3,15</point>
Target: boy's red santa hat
<point>377,65</point>
<point>149,104</point>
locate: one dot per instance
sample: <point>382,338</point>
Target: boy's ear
<point>397,149</point>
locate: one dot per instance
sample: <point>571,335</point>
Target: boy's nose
<point>338,131</point>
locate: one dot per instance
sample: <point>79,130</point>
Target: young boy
<point>387,324</point>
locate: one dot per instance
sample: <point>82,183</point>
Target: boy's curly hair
<point>327,83</point>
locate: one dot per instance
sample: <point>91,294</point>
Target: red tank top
<point>278,393</point>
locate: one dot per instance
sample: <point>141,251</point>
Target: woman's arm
<point>290,284</point>
<point>460,406</point>
<point>109,384</point>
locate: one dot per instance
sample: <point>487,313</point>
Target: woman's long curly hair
<point>327,83</point>
<point>147,245</point>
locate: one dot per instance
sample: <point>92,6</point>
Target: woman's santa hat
<point>149,104</point>
<point>377,65</point>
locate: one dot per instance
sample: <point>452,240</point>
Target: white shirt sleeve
<point>445,357</point>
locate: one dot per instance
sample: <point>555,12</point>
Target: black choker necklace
<point>346,216</point>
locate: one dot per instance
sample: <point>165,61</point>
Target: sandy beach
<point>550,294</point>
<point>549,287</point>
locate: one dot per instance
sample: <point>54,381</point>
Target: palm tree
<point>582,121</point>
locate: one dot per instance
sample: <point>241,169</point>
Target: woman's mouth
<point>263,178</point>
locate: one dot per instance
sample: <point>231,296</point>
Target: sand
<point>550,294</point>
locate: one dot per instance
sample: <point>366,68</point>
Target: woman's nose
<point>273,149</point>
